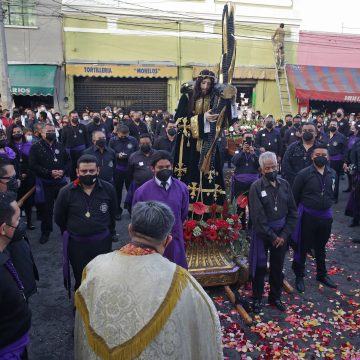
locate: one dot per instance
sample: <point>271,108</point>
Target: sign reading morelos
<point>121,70</point>
<point>352,98</point>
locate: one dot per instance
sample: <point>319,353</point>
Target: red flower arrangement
<point>214,230</point>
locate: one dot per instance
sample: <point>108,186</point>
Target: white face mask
<point>86,118</point>
<point>28,138</point>
<point>57,117</point>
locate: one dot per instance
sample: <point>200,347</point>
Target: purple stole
<point>352,141</point>
<point>14,350</point>
<point>296,235</point>
<point>258,256</point>
<point>39,187</point>
<point>121,167</point>
<point>66,264</point>
<point>24,148</point>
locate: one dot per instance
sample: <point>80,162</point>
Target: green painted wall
<point>98,47</point>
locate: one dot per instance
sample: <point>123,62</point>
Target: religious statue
<point>205,109</point>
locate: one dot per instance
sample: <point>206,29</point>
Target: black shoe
<point>31,227</point>
<point>356,241</point>
<point>257,306</point>
<point>347,190</point>
<point>299,284</point>
<point>114,238</point>
<point>354,224</point>
<point>44,238</point>
<point>278,304</point>
<point>326,281</point>
<point>118,217</point>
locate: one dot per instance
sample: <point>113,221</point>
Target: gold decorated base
<point>212,265</point>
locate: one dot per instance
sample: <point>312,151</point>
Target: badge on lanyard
<point>141,163</point>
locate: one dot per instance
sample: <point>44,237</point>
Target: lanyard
<point>11,269</point>
<point>322,181</point>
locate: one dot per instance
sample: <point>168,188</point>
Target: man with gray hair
<point>134,303</point>
<point>273,214</point>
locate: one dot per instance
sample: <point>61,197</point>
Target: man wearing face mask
<point>269,139</point>
<point>75,139</point>
<point>288,125</point>
<point>50,163</point>
<point>85,120</point>
<point>15,315</point>
<point>105,156</point>
<point>298,154</point>
<point>336,143</point>
<point>313,191</point>
<point>98,124</point>
<point>137,127</point>
<point>139,167</point>
<point>273,215</point>
<point>162,125</point>
<point>172,192</point>
<point>343,123</point>
<point>167,142</point>
<point>85,212</point>
<point>123,145</point>
<point>293,133</point>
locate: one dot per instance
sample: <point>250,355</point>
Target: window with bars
<point>19,12</point>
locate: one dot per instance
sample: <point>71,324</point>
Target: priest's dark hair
<point>87,159</point>
<point>319,146</point>
<point>6,210</point>
<point>152,220</point>
<point>161,155</point>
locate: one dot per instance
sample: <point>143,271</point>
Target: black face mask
<point>123,138</point>
<point>297,125</point>
<point>332,128</point>
<point>164,174</point>
<point>338,115</point>
<point>269,125</point>
<point>2,143</point>
<point>271,176</point>
<point>289,123</point>
<point>17,136</point>
<point>320,161</point>
<point>18,122</point>
<point>172,132</point>
<point>145,148</point>
<point>75,120</point>
<point>88,180</point>
<point>50,136</point>
<point>19,232</point>
<point>307,136</point>
<point>96,120</point>
<point>101,143</point>
<point>12,184</point>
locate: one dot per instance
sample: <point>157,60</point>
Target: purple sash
<point>78,148</point>
<point>9,153</point>
<point>39,187</point>
<point>15,349</point>
<point>242,178</point>
<point>121,167</point>
<point>24,148</point>
<point>66,264</point>
<point>336,157</point>
<point>296,235</point>
<point>258,256</point>
<point>352,141</point>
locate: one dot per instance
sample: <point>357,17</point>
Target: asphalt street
<point>52,322</point>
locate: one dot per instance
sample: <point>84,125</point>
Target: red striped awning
<point>325,83</point>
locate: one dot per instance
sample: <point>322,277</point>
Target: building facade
<point>33,32</point>
<point>137,56</point>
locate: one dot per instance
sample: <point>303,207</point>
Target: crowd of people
<point>79,166</point>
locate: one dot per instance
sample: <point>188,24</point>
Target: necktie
<point>163,184</point>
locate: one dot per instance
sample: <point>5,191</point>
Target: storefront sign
<point>135,71</point>
<point>352,98</point>
<point>20,91</point>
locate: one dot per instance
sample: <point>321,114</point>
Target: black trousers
<point>240,188</point>
<point>81,253</point>
<point>121,178</point>
<point>315,233</point>
<point>337,165</point>
<point>47,208</point>
<point>276,276</point>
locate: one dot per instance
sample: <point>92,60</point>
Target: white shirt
<point>168,183</point>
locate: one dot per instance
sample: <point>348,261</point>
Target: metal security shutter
<point>137,94</point>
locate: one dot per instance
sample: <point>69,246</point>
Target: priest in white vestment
<point>135,304</point>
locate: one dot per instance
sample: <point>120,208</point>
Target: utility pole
<point>4,72</point>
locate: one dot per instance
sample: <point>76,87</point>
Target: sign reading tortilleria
<point>132,71</point>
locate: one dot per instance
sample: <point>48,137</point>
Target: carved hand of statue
<point>211,117</point>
